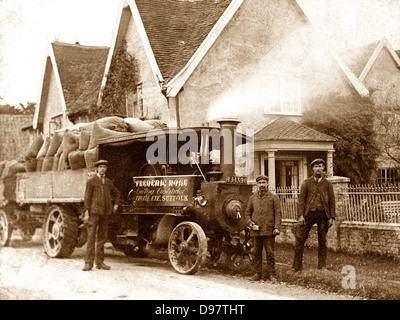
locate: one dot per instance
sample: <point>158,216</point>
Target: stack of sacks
<point>42,154</point>
<point>2,165</point>
<point>99,132</point>
<point>157,124</point>
<point>8,177</point>
<point>70,143</point>
<point>137,125</point>
<point>32,152</point>
<point>7,165</point>
<point>76,159</point>
<point>113,123</point>
<point>14,168</point>
<point>55,143</point>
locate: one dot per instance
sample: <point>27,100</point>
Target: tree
<point>388,124</point>
<point>121,79</point>
<point>350,119</point>
<point>18,109</point>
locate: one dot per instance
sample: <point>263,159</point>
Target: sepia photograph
<point>200,157</point>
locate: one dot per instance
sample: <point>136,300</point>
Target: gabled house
<point>70,85</point>
<point>377,66</point>
<point>261,62</point>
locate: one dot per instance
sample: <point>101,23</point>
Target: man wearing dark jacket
<point>264,217</point>
<point>98,205</point>
<point>316,205</point>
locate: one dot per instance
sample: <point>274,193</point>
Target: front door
<point>287,173</point>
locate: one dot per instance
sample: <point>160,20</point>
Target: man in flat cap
<point>263,217</point>
<point>100,194</point>
<point>316,205</point>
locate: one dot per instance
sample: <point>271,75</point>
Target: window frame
<point>267,105</point>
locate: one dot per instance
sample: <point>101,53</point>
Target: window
<point>55,123</point>
<point>282,94</point>
<point>388,176</point>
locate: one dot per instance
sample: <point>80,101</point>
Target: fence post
<point>340,187</point>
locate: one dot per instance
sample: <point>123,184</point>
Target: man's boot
<point>103,266</point>
<point>87,267</point>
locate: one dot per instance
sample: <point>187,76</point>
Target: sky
<point>28,26</point>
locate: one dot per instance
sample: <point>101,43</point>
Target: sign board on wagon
<point>163,190</point>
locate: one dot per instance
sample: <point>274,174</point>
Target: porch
<point>284,149</point>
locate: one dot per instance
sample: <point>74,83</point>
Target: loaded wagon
<point>175,195</point>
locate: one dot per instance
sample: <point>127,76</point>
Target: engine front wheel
<point>60,232</point>
<point>5,230</point>
<point>187,247</point>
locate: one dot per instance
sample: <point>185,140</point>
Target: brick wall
<point>379,239</point>
<point>14,141</point>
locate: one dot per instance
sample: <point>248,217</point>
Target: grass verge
<point>365,276</point>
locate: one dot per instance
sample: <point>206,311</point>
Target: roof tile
<point>177,28</point>
<point>81,70</point>
<point>285,129</point>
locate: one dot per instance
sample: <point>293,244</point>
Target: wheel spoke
<point>187,247</point>
<point>61,232</point>
<point>190,236</point>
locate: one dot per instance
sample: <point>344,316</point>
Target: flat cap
<point>101,162</point>
<point>262,177</point>
<point>317,161</point>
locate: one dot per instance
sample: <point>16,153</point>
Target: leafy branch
<point>121,79</point>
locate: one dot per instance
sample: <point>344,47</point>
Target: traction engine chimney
<point>228,147</point>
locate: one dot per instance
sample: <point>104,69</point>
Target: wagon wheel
<point>60,232</point>
<point>187,247</point>
<point>5,229</point>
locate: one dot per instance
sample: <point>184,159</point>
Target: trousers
<point>267,242</point>
<point>97,230</point>
<point>319,217</point>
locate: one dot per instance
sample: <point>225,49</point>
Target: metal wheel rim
<point>54,232</point>
<point>187,248</point>
<point>3,228</point>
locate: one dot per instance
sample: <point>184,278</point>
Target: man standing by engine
<point>100,194</point>
<point>264,217</point>
<point>316,205</point>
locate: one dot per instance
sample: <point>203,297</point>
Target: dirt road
<point>27,273</point>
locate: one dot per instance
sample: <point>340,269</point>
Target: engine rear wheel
<point>5,230</point>
<point>60,232</point>
<point>187,247</point>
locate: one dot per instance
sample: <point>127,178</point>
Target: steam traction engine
<point>192,207</point>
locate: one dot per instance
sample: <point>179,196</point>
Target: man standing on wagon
<point>98,205</point>
<point>264,217</point>
<point>316,205</point>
